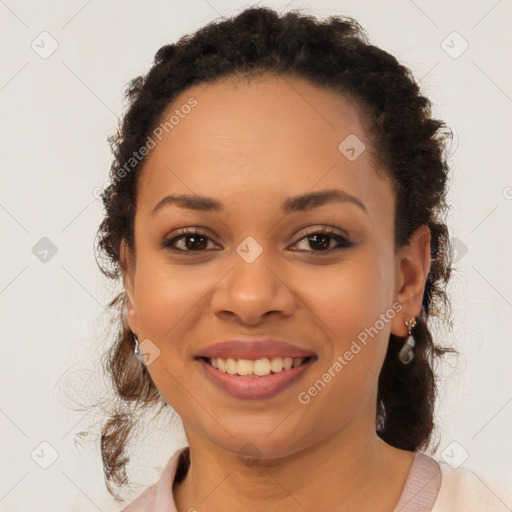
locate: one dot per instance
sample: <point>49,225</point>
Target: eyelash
<point>343,242</point>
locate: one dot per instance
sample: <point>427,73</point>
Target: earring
<point>136,351</point>
<point>406,354</point>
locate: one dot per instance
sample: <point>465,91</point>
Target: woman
<point>276,215</point>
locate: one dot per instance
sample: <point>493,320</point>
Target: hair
<point>408,146</point>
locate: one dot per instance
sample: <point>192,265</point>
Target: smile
<point>254,379</point>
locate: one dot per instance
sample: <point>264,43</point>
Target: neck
<point>351,470</point>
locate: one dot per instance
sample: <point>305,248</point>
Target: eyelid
<point>324,229</point>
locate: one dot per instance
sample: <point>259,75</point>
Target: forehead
<point>268,136</point>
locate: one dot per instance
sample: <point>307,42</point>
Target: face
<point>321,275</point>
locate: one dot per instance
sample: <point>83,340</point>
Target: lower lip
<point>254,387</point>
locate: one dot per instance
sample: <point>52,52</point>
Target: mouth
<point>254,378</point>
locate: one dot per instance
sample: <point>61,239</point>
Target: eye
<point>323,237</point>
<point>195,240</point>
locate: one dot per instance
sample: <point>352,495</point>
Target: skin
<point>251,145</point>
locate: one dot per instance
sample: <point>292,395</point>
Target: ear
<point>127,264</point>
<point>413,266</point>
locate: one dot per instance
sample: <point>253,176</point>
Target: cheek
<point>168,304</point>
<point>161,299</point>
<point>352,297</point>
<point>170,301</point>
<point>355,305</point>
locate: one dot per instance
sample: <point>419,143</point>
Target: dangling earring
<point>406,353</point>
<point>136,351</point>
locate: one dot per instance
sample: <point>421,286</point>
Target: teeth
<point>276,364</point>
<point>259,367</point>
<point>297,361</point>
<point>231,366</point>
<point>244,367</point>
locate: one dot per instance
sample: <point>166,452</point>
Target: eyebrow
<point>298,203</point>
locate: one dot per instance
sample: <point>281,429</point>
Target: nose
<point>251,291</point>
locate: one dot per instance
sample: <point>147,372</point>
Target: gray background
<point>57,111</point>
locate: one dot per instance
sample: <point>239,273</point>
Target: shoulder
<point>463,490</point>
<point>159,495</point>
<point>144,502</point>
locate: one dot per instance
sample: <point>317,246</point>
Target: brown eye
<point>321,240</point>
<point>194,241</point>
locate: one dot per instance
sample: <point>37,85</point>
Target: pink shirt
<point>431,486</point>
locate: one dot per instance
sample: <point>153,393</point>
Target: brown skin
<point>251,146</point>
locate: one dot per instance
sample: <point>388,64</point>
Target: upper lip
<point>253,349</point>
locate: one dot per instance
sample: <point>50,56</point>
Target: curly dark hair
<point>409,146</point>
